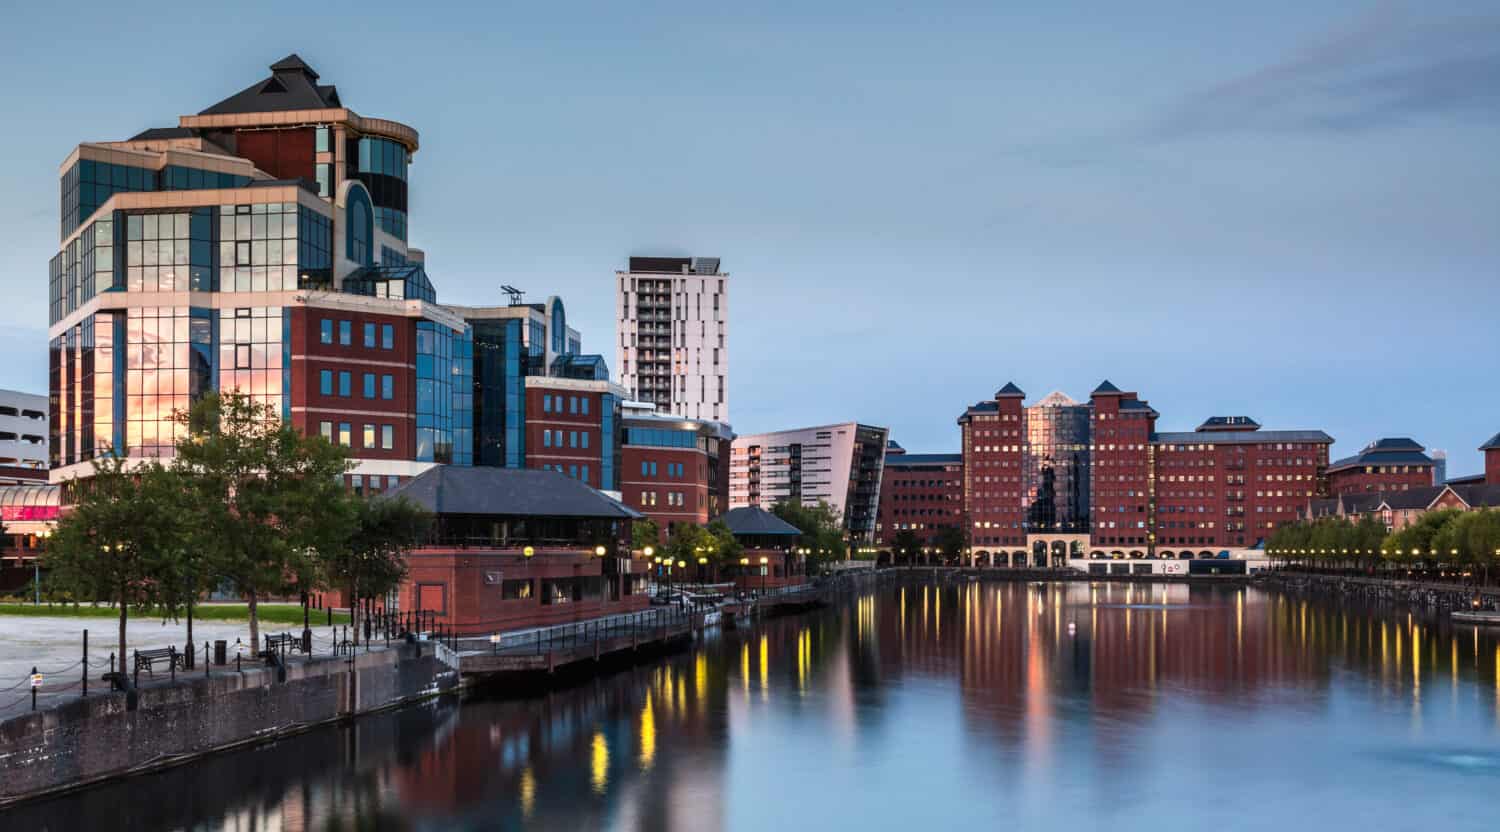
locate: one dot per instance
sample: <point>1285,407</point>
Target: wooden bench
<point>280,644</point>
<point>148,658</point>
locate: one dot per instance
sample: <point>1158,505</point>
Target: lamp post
<point>36,567</point>
<point>763,562</point>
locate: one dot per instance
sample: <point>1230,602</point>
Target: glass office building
<point>1055,466</point>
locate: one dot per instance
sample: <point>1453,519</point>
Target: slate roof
<point>1010,389</point>
<point>1105,389</point>
<point>1216,423</point>
<point>1395,443</point>
<point>1248,437</point>
<point>754,520</point>
<point>292,86</point>
<point>510,492</point>
<point>1493,444</point>
<point>1388,451</point>
<point>159,133</point>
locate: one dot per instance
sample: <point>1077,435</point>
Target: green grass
<point>271,613</point>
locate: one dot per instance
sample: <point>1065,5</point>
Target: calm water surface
<point>926,707</point>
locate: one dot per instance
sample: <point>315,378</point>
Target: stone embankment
<point>1418,594</point>
<point>114,734</point>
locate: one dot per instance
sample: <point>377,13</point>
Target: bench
<point>148,658</point>
<point>280,644</point>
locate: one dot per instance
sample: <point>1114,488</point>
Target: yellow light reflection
<point>700,678</point>
<point>599,764</point>
<point>745,667</point>
<point>765,673</point>
<point>648,735</point>
<point>528,792</point>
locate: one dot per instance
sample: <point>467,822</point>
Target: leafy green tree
<point>726,547</point>
<point>905,545</point>
<point>645,533</point>
<point>952,543</point>
<point>1416,542</point>
<point>822,530</point>
<point>373,563</point>
<point>265,499</point>
<point>123,540</point>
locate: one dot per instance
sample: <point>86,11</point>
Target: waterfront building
<point>1439,467</point>
<point>672,334</point>
<point>920,493</point>
<point>772,555</point>
<point>1491,450</point>
<point>29,512</point>
<point>261,245</point>
<point>573,422</point>
<point>1390,464</point>
<point>1061,481</point>
<point>673,469</point>
<point>840,464</point>
<point>514,548</point>
<point>23,437</point>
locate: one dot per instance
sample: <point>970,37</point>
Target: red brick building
<point>922,493</point>
<point>674,470</point>
<point>513,548</point>
<point>992,435</point>
<point>1491,451</point>
<point>572,428</point>
<point>1121,464</point>
<point>1391,464</point>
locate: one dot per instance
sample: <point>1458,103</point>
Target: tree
<point>266,500</point>
<point>645,533</point>
<point>952,542</point>
<point>373,563</point>
<point>1416,542</point>
<point>688,543</point>
<point>726,547</point>
<point>906,544</point>
<point>122,541</point>
<point>822,529</point>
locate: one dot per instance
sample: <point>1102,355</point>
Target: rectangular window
<point>572,439</point>
<point>572,404</point>
<point>346,333</point>
<point>321,139</point>
<point>573,471</point>
<point>357,482</point>
<point>644,467</point>
<point>369,437</point>
<point>370,336</point>
<point>583,439</point>
<point>325,331</point>
<point>325,382</point>
<point>546,439</point>
<point>345,383</point>
<point>323,173</point>
<point>653,469</point>
<point>583,405</point>
<point>387,437</point>
<point>325,430</point>
<point>546,404</point>
<point>387,387</point>
<point>369,385</point>
<point>387,336</point>
<point>344,434</point>
<point>585,471</point>
<point>242,356</point>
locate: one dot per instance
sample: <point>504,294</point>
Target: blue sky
<point>1286,210</point>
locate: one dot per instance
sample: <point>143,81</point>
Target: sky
<point>1286,210</point>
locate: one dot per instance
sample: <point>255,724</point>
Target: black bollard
<point>137,668</point>
<point>85,662</point>
<point>172,662</point>
<point>330,616</point>
<point>34,687</point>
<point>237,650</point>
<point>206,661</point>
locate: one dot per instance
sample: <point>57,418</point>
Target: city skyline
<point>1318,261</point>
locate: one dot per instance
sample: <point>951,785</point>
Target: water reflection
<point>931,705</point>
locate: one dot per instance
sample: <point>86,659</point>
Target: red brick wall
<point>991,448</point>
<point>930,496</point>
<point>1231,495</point>
<point>1357,480</point>
<point>310,356</point>
<point>572,423</point>
<point>1120,472</point>
<point>636,487</point>
<point>1492,466</point>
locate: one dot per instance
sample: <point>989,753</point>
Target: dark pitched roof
<point>1478,495</point>
<point>894,447</point>
<point>460,489</point>
<point>1248,437</point>
<point>1390,451</point>
<point>1493,444</point>
<point>1136,404</point>
<point>984,407</point>
<point>159,133</point>
<point>1471,479</point>
<point>1214,423</point>
<point>748,520</point>
<point>1106,389</point>
<point>292,86</point>
<point>1010,389</point>
<point>918,460</point>
<point>1395,443</point>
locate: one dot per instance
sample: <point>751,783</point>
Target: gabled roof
<point>1010,389</point>
<point>754,520</point>
<point>509,492</point>
<point>292,86</point>
<point>1492,445</point>
<point>1106,389</point>
<point>1056,398</point>
<point>1395,443</point>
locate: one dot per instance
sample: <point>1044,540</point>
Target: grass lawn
<point>271,613</point>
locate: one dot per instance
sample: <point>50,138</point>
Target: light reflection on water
<point>932,706</point>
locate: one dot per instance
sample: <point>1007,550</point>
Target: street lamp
<point>763,562</point>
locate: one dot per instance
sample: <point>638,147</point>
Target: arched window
<point>360,227</point>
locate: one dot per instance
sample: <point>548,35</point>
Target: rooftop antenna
<point>516,295</point>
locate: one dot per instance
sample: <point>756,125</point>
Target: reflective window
<point>387,387</point>
<point>369,381</point>
<point>369,437</point>
<point>345,383</point>
<point>346,333</point>
<point>370,336</point>
<point>387,337</point>
<point>325,382</point>
<point>387,437</point>
<point>325,331</point>
<point>258,247</point>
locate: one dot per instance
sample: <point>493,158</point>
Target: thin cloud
<point>1382,69</point>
